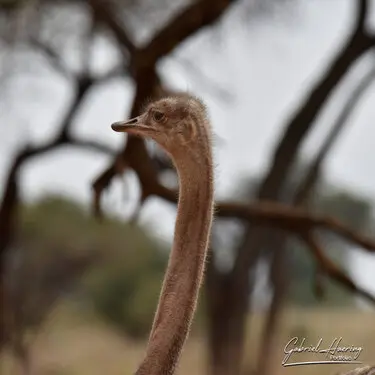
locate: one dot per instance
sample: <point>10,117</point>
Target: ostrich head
<point>178,124</point>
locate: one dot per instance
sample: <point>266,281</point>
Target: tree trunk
<point>227,313</point>
<point>279,278</point>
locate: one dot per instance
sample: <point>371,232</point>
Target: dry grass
<point>71,346</point>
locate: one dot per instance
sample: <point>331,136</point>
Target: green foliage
<point>125,292</point>
<point>123,286</point>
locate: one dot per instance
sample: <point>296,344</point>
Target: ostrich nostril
<point>132,121</point>
<point>122,126</point>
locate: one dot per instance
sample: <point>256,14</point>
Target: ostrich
<point>181,127</point>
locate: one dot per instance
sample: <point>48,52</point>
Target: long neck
<point>184,274</point>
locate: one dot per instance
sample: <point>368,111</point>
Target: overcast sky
<point>269,67</point>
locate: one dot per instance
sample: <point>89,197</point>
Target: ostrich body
<point>180,126</point>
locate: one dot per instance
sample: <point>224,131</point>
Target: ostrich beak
<point>124,126</point>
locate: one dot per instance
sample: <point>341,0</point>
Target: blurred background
<point>87,215</point>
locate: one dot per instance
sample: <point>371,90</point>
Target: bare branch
<point>193,18</point>
<point>296,130</point>
<point>362,9</point>
<point>289,218</point>
<point>301,123</point>
<point>83,84</point>
<point>116,72</point>
<point>332,270</point>
<point>10,201</point>
<point>103,12</point>
<point>10,197</point>
<point>278,274</point>
<point>52,56</point>
<point>337,128</point>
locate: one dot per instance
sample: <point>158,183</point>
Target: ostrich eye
<point>157,116</point>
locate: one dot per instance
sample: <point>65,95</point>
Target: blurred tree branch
<point>140,62</point>
<point>338,127</point>
<point>104,12</point>
<point>289,218</point>
<point>135,157</point>
<point>275,180</point>
<point>142,67</point>
<point>302,121</point>
<point>194,17</point>
<point>10,199</point>
<point>331,269</point>
<point>51,55</point>
<point>278,273</point>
